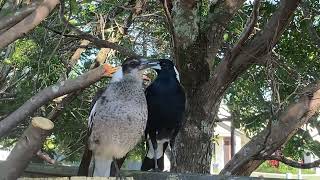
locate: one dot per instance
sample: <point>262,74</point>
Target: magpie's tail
<point>119,163</point>
<point>85,162</point>
<point>148,164</point>
<point>102,166</point>
<point>105,167</point>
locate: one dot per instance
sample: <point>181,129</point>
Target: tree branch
<point>96,41</point>
<point>293,163</point>
<point>13,18</point>
<point>312,31</point>
<point>137,10</point>
<point>27,146</point>
<point>251,22</point>
<point>220,15</point>
<point>50,93</point>
<point>60,33</point>
<point>28,23</point>
<point>44,156</point>
<point>167,7</point>
<point>313,34</point>
<point>273,137</point>
<point>253,51</point>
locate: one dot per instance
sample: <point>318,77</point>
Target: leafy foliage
<point>262,93</point>
<point>256,98</point>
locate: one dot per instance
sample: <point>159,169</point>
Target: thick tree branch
<point>293,163</point>
<point>27,146</point>
<point>28,23</point>
<point>253,51</point>
<point>12,19</point>
<point>200,38</point>
<point>272,138</point>
<point>51,92</point>
<point>219,17</point>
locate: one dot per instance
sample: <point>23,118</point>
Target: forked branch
<point>28,23</point>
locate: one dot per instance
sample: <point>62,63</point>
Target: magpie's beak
<point>148,64</point>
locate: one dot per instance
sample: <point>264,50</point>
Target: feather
<point>102,166</point>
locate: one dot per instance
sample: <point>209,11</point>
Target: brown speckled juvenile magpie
<point>118,118</point>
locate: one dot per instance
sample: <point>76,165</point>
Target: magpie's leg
<point>173,152</point>
<point>118,175</point>
<point>155,147</point>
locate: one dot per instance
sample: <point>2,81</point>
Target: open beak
<point>148,64</point>
<point>109,70</point>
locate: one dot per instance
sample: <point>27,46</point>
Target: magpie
<point>118,118</point>
<point>84,166</point>
<point>166,108</point>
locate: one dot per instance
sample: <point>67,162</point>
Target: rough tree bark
<point>28,23</point>
<point>194,39</point>
<point>12,19</point>
<point>205,91</point>
<point>273,137</point>
<point>27,146</point>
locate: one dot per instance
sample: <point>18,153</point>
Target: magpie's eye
<point>134,63</point>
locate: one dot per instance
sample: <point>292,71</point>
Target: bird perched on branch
<point>166,107</point>
<point>118,118</point>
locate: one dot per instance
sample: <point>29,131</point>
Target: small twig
<point>251,22</point>
<point>70,154</point>
<point>312,31</point>
<point>96,41</point>
<point>60,33</point>
<point>44,156</point>
<point>171,29</point>
<point>293,163</point>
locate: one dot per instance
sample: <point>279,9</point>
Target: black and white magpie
<point>166,107</point>
<point>118,118</point>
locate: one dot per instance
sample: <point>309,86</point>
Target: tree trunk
<point>195,50</point>
<point>27,146</point>
<point>193,53</point>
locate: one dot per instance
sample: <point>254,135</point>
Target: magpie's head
<point>133,67</point>
<point>166,66</point>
